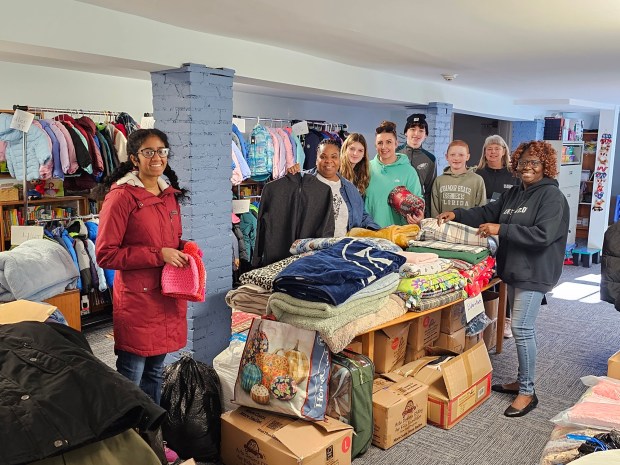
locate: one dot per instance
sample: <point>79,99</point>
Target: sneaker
<point>507,330</point>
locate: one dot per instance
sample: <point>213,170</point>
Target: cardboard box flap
<point>463,371</point>
<point>386,397</point>
<point>305,439</point>
<point>395,330</point>
<point>412,368</point>
<point>24,310</point>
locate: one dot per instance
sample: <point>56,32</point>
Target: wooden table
<point>368,338</point>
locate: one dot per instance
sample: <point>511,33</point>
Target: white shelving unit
<point>570,155</point>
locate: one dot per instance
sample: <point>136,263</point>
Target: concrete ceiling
<point>531,51</point>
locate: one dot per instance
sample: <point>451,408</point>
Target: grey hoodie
<point>451,191</point>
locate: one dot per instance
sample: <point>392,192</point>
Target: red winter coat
<point>134,225</point>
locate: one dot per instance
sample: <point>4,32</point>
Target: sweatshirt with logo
<point>384,178</point>
<point>497,181</point>
<point>532,233</point>
<point>451,191</point>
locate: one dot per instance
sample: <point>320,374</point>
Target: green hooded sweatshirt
<point>384,178</point>
<point>451,191</point>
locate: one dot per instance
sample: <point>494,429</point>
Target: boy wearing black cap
<point>416,130</point>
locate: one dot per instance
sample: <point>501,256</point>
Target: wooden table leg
<point>501,317</point>
<point>368,345</point>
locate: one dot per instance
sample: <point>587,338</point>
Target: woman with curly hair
<point>354,164</point>
<point>140,231</point>
<point>532,223</point>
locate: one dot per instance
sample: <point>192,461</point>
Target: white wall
<point>59,88</point>
<point>362,118</point>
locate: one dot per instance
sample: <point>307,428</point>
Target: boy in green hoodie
<point>458,186</point>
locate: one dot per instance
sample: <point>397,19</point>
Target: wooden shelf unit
<point>75,201</point>
<point>590,139</point>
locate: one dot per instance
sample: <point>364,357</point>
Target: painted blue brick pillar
<point>439,119</point>
<point>524,131</point>
<point>193,106</point>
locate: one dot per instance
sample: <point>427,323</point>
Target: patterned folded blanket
<point>311,245</point>
<point>411,270</point>
<point>454,232</point>
<point>442,245</point>
<point>280,303</point>
<point>434,302</point>
<point>417,288</point>
<point>339,339</point>
<point>264,276</point>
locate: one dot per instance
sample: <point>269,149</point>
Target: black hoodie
<point>532,233</point>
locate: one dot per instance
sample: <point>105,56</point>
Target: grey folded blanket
<point>36,270</point>
<point>280,303</point>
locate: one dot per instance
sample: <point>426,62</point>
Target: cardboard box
<point>490,335</point>
<point>490,300</point>
<point>474,339</point>
<point>413,354</point>
<point>390,347</point>
<point>398,410</point>
<point>24,310</point>
<point>255,437</point>
<point>455,387</point>
<point>355,346</point>
<point>454,342</point>
<point>424,330</point>
<point>453,318</point>
<point>613,366</point>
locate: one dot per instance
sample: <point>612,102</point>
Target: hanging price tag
<point>473,307</point>
<point>22,120</point>
<point>147,122</point>
<point>301,128</point>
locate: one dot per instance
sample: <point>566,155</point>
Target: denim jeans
<point>146,372</point>
<point>525,307</point>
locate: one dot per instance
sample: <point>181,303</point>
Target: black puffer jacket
<point>610,266</point>
<point>55,395</point>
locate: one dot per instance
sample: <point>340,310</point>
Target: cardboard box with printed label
<point>255,437</point>
<point>613,366</point>
<point>456,386</point>
<point>390,347</point>
<point>491,304</point>
<point>398,410</point>
<point>472,340</point>
<point>490,335</point>
<point>453,318</point>
<point>423,331</point>
<point>454,342</point>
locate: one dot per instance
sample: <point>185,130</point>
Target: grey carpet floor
<point>576,335</point>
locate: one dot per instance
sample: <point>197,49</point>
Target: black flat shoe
<point>513,412</point>
<point>503,390</point>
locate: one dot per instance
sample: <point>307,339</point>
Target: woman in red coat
<point>140,231</point>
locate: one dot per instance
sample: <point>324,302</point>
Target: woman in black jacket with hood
<point>610,266</point>
<point>532,223</point>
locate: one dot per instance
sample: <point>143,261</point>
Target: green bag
<point>350,396</point>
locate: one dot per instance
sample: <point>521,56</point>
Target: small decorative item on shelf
<point>9,192</point>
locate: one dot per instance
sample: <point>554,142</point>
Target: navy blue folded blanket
<point>333,275</point>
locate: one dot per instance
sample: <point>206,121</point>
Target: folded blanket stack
<point>455,233</point>
<point>329,320</point>
<point>478,276</point>
<point>414,290</point>
<point>469,253</point>
<point>399,235</point>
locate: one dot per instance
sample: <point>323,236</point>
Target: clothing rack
<point>66,110</point>
<point>69,218</point>
<point>316,124</point>
<point>41,110</point>
<point>264,118</point>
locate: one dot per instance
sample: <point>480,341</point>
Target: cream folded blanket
<point>281,303</point>
<point>339,339</point>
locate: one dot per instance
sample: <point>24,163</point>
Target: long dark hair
<point>134,142</point>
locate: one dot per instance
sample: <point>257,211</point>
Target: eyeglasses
<point>532,163</point>
<point>150,153</point>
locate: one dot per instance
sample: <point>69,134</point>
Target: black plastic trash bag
<point>191,395</point>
